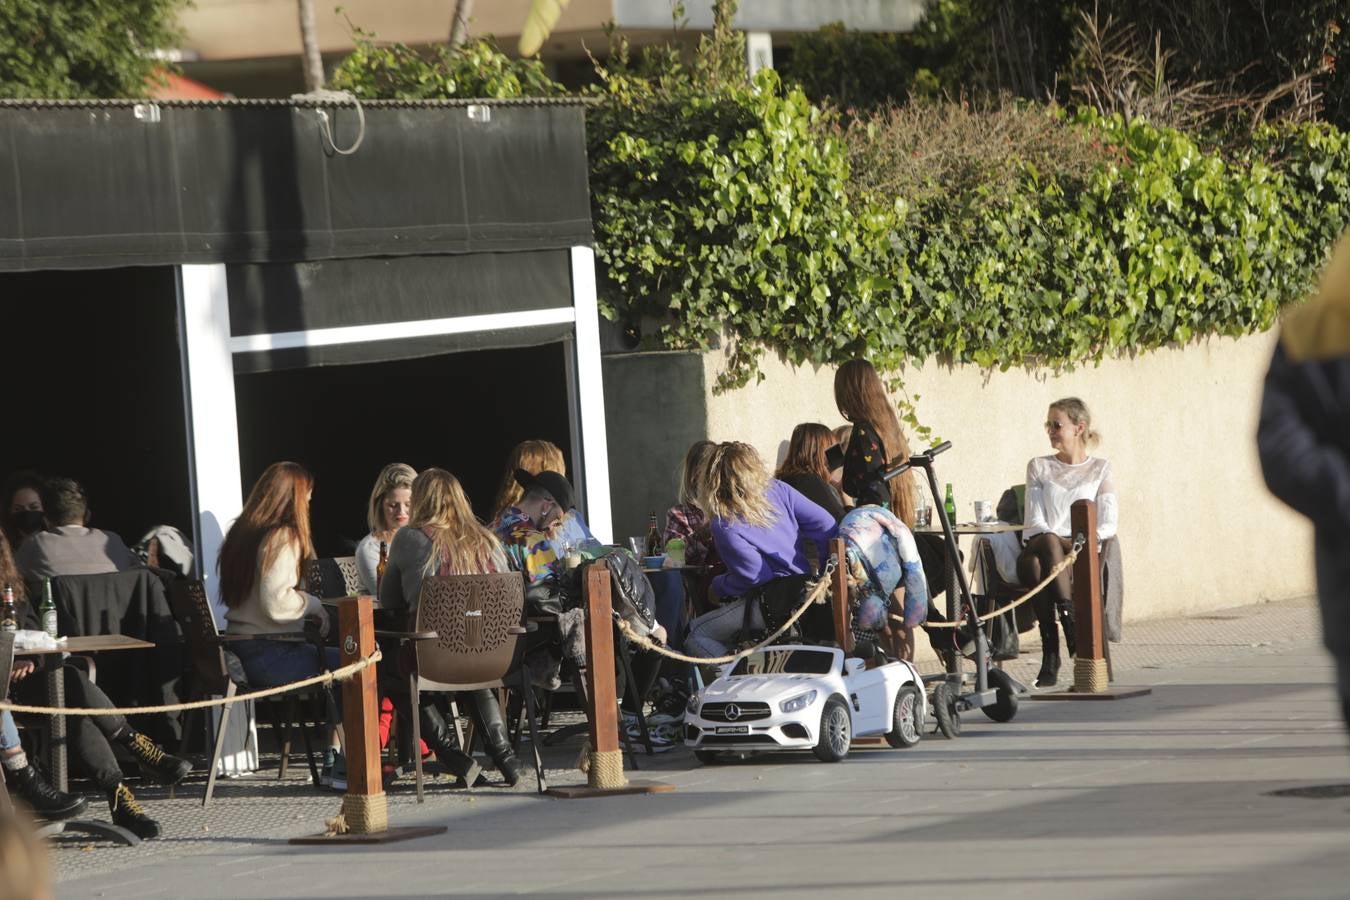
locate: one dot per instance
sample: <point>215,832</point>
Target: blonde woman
<point>443,537</point>
<point>1054,483</point>
<point>386,512</point>
<point>758,526</point>
<point>534,457</point>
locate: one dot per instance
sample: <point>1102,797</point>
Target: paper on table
<point>36,640</point>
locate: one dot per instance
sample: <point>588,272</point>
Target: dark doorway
<point>95,391</point>
<point>460,411</point>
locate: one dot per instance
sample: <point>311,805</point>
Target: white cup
<point>984,511</point>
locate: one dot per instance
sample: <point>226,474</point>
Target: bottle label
<point>49,622</point>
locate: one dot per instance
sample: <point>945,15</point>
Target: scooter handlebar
<point>917,461</point>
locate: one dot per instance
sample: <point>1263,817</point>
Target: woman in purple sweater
<point>758,525</point>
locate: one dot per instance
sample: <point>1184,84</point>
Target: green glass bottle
<point>48,608</point>
<point>949,505</point>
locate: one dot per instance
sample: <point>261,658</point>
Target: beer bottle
<point>381,565</point>
<point>48,608</point>
<point>9,616</point>
<point>654,543</point>
<point>949,505</point>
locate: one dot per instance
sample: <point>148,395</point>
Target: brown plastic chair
<point>332,576</point>
<point>217,672</point>
<point>477,620</point>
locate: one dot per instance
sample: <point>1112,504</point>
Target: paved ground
<point>1161,796</point>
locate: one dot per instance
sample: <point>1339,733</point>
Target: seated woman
<point>21,512</point>
<point>805,468</point>
<point>686,521</point>
<point>444,538</point>
<point>386,513</point>
<point>884,561</point>
<point>758,526</point>
<point>533,456</point>
<point>261,566</point>
<point>1054,482</point>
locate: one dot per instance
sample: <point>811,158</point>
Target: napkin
<point>36,640</point>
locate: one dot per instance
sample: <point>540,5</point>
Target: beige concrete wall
<point>1198,529</point>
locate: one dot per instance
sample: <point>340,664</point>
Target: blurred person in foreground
<point>25,872</point>
<point>1304,442</point>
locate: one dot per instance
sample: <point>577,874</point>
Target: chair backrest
<point>475,618</point>
<point>192,609</point>
<point>333,576</point>
<point>6,662</point>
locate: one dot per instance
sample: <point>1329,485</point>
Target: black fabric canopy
<point>112,184</point>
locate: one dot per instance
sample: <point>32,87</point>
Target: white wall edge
<point>213,429</point>
<point>590,395</point>
<point>389,331</point>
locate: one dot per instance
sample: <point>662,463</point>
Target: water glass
<point>984,511</point>
<point>923,516</point>
<point>638,545</point>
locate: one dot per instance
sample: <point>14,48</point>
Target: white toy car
<point>798,697</point>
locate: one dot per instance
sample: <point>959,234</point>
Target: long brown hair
<point>734,486</point>
<point>9,574</point>
<point>806,452</point>
<point>532,456</point>
<point>458,539</point>
<point>276,512</point>
<point>692,471</point>
<point>861,397</point>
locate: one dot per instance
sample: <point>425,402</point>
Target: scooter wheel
<point>945,711</point>
<point>1004,706</point>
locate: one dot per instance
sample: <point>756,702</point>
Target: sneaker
<point>334,773</point>
<point>130,815</point>
<point>160,766</point>
<point>45,801</point>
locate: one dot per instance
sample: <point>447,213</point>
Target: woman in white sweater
<point>1054,483</point>
<point>261,564</point>
<point>387,512</point>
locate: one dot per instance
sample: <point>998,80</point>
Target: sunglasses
<point>1055,426</point>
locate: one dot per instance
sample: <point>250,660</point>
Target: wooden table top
<point>90,643</point>
<point>972,528</point>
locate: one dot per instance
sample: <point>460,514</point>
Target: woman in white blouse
<point>1054,483</point>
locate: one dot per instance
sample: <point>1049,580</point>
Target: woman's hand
<point>323,622</point>
<point>22,669</point>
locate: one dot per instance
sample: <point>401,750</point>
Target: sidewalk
<point>1159,796</point>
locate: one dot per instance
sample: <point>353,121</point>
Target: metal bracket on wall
<point>146,112</point>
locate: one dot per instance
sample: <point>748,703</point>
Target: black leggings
<point>1041,554</point>
<point>88,737</point>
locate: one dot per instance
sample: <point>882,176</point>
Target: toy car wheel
<point>708,757</point>
<point>1005,704</point>
<point>906,718</point>
<point>836,732</point>
<point>945,711</point>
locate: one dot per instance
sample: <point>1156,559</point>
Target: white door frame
<point>207,350</point>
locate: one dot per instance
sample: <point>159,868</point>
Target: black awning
<point>103,185</point>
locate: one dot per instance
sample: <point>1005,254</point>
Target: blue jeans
<point>272,663</point>
<point>9,732</point>
<point>710,632</point>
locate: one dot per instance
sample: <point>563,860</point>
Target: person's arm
<point>814,522</point>
<point>1108,507</point>
<point>744,563</point>
<point>391,585</point>
<point>1034,518</point>
<point>281,602</point>
<point>1300,467</point>
<point>864,461</point>
<point>121,556</point>
<point>368,564</point>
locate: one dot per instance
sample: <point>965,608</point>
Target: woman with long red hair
<point>261,569</point>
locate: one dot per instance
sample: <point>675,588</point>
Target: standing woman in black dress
<point>876,441</point>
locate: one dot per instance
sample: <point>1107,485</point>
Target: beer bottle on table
<point>48,608</point>
<point>9,616</point>
<point>949,505</point>
<point>653,537</point>
<point>381,565</point>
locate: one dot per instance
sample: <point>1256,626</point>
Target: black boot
<point>437,734</point>
<point>488,716</point>
<point>1065,611</point>
<point>129,814</point>
<point>1049,674</point>
<point>45,801</point>
<point>161,766</point>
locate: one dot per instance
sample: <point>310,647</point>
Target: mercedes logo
<point>733,712</point>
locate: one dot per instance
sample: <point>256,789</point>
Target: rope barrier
<point>814,596</point>
<point>1031,592</point>
<point>341,674</point>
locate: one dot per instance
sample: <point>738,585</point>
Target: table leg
<point>56,757</point>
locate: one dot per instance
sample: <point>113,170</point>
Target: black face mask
<point>29,521</point>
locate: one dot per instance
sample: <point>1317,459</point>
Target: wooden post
<point>1089,668</point>
<point>605,775</point>
<point>364,806</point>
<point>843,634</point>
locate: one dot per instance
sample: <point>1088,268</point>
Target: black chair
<point>332,576</point>
<point>217,672</point>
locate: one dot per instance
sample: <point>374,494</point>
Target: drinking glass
<point>923,516</point>
<point>638,545</point>
<point>984,512</point>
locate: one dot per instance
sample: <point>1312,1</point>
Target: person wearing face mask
<point>22,513</point>
<point>387,512</point>
<point>69,546</point>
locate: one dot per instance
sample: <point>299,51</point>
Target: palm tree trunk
<point>459,24</point>
<point>309,40</point>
